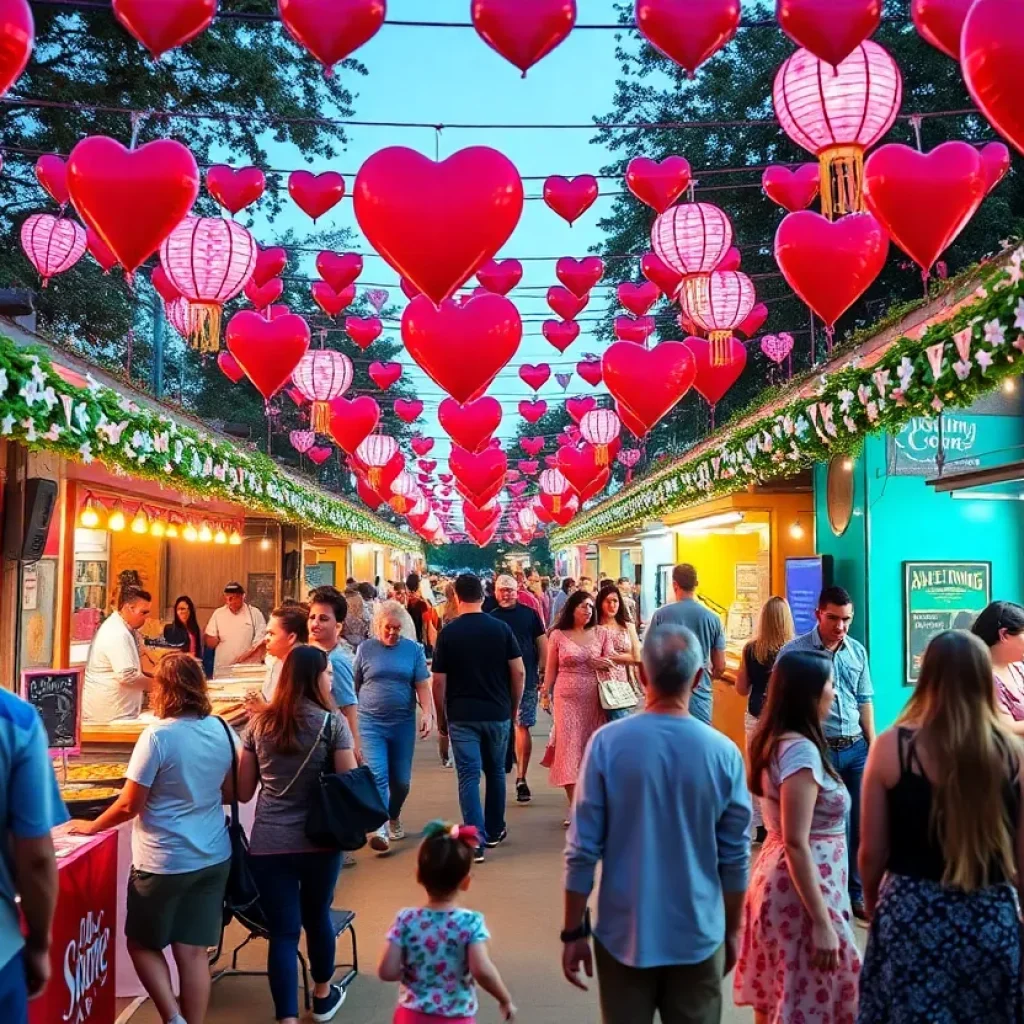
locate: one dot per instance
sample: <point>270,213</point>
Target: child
<point>438,951</point>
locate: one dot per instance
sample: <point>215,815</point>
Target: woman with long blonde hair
<point>940,849</point>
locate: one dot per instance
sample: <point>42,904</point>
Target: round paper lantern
<point>181,316</point>
<point>375,452</point>
<point>600,428</point>
<point>692,240</point>
<point>321,376</point>
<point>405,492</point>
<point>52,244</point>
<point>837,114</point>
<point>720,309</point>
<point>527,519</point>
<point>209,260</point>
<point>554,484</point>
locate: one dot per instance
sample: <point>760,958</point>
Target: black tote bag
<point>241,898</point>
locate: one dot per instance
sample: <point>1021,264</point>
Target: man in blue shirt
<point>30,805</point>
<point>850,725</point>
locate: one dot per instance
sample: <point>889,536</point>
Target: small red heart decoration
<point>319,454</point>
<point>353,421</point>
<point>535,376</point>
<point>264,296</point>
<point>533,411</point>
<point>714,378</point>
<point>658,185</point>
<point>162,283</point>
<point>564,304</point>
<point>638,298</point>
<point>561,333</point>
<point>331,30</point>
<point>269,263</point>
<point>276,312</point>
<point>533,446</point>
<point>462,347</point>
<point>755,321</point>
<point>523,31</point>
<point>502,277</point>
<point>52,174</point>
<point>792,190</point>
<point>996,158</point>
<point>577,408</point>
<point>229,366</point>
<point>235,188</point>
<point>330,301</point>
<point>579,276</point>
<point>648,382</point>
<point>657,272</point>
<point>579,466</point>
<point>315,194</point>
<point>688,33</point>
<point>165,25</point>
<point>268,350</point>
<point>481,537</point>
<point>731,260</point>
<point>364,331</point>
<point>940,22</point>
<point>482,475</point>
<point>636,330</point>
<point>408,409</point>
<point>470,426</point>
<point>339,270</point>
<point>17,36</point>
<point>596,486</point>
<point>100,253</point>
<point>422,445</point>
<point>385,374</point>
<point>367,495</point>
<point>528,467</point>
<point>829,29</point>
<point>405,202</point>
<point>570,198</point>
<point>590,371</point>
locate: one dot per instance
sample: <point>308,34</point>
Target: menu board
<point>260,591</point>
<point>57,695</point>
<point>805,580</point>
<point>938,596</point>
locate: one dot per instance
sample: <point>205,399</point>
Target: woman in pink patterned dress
<point>577,650</point>
<point>798,959</point>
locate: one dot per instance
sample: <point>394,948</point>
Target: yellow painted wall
<point>715,556</point>
<point>362,563</point>
<point>338,554</point>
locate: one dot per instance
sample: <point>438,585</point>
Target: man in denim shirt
<point>850,725</point>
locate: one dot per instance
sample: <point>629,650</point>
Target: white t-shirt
<point>113,661</point>
<point>183,762</point>
<point>237,633</point>
<point>273,676</point>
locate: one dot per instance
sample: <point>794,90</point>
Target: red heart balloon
<point>657,272</point>
<point>385,374</point>
<point>528,467</point>
<point>269,263</point>
<point>17,36</point>
<point>688,33</point>
<point>479,473</point>
<point>533,411</point>
<point>755,321</point>
<point>940,22</point>
<point>597,485</point>
<point>409,290</point>
<point>405,203</point>
<point>339,270</point>
<point>502,277</point>
<point>631,422</point>
<point>638,298</point>
<point>535,376</point>
<point>579,276</point>
<point>532,445</point>
<point>648,382</point>
<point>315,194</point>
<point>523,31</point>
<point>566,512</point>
<point>996,158</point>
<point>462,348</point>
<point>353,421</point>
<point>590,371</point>
<point>658,185</point>
<point>481,520</point>
<point>364,331</point>
<point>422,445</point>
<point>296,396</point>
<point>731,260</point>
<point>165,25</point>
<point>367,495</point>
<point>133,199</point>
<point>579,466</point>
<point>235,188</point>
<point>714,378</point>
<point>229,366</point>
<point>52,174</point>
<point>792,190</point>
<point>332,302</point>
<point>265,296</point>
<point>566,305</point>
<point>924,200</point>
<point>991,56</point>
<point>481,537</point>
<point>276,312</point>
<point>561,333</point>
<point>570,198</point>
<point>331,30</point>
<point>830,264</point>
<point>100,253</point>
<point>470,426</point>
<point>578,407</point>
<point>829,29</point>
<point>162,283</point>
<point>319,454</point>
<point>427,465</point>
<point>408,409</point>
<point>388,474</point>
<point>268,350</point>
<point>636,330</point>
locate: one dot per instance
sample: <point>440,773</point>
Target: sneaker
<point>498,840</point>
<point>325,1009</point>
<point>379,840</point>
<point>348,861</point>
<point>395,830</point>
<point>478,857</point>
<point>448,763</point>
<point>523,794</point>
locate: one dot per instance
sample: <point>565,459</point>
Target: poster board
<point>260,591</point>
<point>805,580</point>
<point>938,596</point>
<point>57,695</point>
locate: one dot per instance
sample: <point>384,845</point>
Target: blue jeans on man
<point>849,763</point>
<point>388,748</point>
<point>480,748</point>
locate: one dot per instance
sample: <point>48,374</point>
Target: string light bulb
<point>140,524</point>
<point>848,464</point>
<point>220,537</point>
<point>796,531</point>
<point>116,521</point>
<point>235,539</point>
<point>157,528</point>
<point>265,544</point>
<point>172,530</point>
<point>89,518</point>
<point>190,533</point>
<point>1009,385</point>
<point>205,533</point>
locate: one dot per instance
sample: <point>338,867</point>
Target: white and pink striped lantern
<point>375,452</point>
<point>720,309</point>
<point>52,244</point>
<point>837,114</point>
<point>321,376</point>
<point>181,316</point>
<point>527,520</point>
<point>209,260</point>
<point>600,427</point>
<point>302,440</point>
<point>554,484</point>
<point>405,492</point>
<point>692,239</point>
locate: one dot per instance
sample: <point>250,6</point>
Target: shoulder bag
<point>616,694</point>
<point>241,897</point>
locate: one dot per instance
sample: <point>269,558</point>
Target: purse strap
<point>319,736</point>
<point>235,824</point>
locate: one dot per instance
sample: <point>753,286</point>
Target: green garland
<point>951,365</point>
<point>43,411</point>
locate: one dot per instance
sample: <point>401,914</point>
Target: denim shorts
<point>527,715</point>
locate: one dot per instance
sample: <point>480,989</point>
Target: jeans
<point>618,714</point>
<point>850,765</point>
<point>14,991</point>
<point>702,699</point>
<point>296,892</point>
<point>388,748</point>
<point>481,747</point>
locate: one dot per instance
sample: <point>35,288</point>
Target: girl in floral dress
<point>439,951</point>
<point>798,959</point>
<point>614,617</point>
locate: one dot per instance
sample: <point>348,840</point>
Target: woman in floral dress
<point>798,960</point>
<point>612,616</point>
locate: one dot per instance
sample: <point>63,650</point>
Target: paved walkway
<point>518,889</point>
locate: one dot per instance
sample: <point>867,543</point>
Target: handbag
<point>241,897</point>
<point>616,694</point>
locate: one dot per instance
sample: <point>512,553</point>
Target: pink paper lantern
<point>52,244</point>
<point>181,316</point>
<point>209,260</point>
<point>405,492</point>
<point>719,308</point>
<point>321,376</point>
<point>554,484</point>
<point>302,440</point>
<point>527,520</point>
<point>375,452</point>
<point>692,238</point>
<point>600,427</point>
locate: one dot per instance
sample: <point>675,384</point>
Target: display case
<point>90,590</point>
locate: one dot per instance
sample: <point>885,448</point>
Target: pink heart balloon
<point>777,346</point>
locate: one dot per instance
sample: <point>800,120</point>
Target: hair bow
<point>468,835</point>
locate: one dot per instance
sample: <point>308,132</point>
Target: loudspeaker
<point>28,522</point>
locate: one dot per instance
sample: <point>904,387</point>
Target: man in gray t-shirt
<point>687,611</point>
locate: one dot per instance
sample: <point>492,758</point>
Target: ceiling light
<point>709,522</point>
<point>89,518</point>
<point>205,533</point>
<point>115,521</point>
<point>157,528</point>
<point>189,533</point>
<point>220,537</point>
<point>172,530</point>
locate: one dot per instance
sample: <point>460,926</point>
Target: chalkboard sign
<point>260,592</point>
<point>57,695</point>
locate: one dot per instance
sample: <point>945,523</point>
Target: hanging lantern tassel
<point>842,180</point>
<point>721,347</point>
<point>601,455</point>
<point>556,503</point>
<point>320,418</point>
<point>376,476</point>
<point>206,317</point>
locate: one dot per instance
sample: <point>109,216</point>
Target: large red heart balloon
<point>229,366</point>
<point>714,378</point>
<point>268,350</point>
<point>367,495</point>
<point>462,347</point>
<point>17,35</point>
<point>165,25</point>
<point>940,22</point>
<point>991,56</point>
<point>408,409</point>
<point>689,33</point>
<point>269,263</point>
<point>579,276</point>
<point>996,158</point>
<point>422,445</point>
<point>829,29</point>
<point>924,200</point>
<point>578,407</point>
<point>533,446</point>
<point>565,304</point>
<point>385,374</point>
<point>648,382</point>
<point>634,329</point>
<point>100,253</point>
<point>638,298</point>
<point>133,199</point>
<point>523,31</point>
<point>264,296</point>
<point>339,270</point>
<point>830,264</point>
<point>535,376</point>
<point>579,466</point>
<point>332,302</point>
<point>482,519</point>
<point>315,194</point>
<point>235,188</point>
<point>631,422</point>
<point>597,485</point>
<point>561,333</point>
<point>364,331</point>
<point>470,426</point>
<point>478,473</point>
<point>570,198</point>
<point>52,174</point>
<point>590,371</point>
<point>792,190</point>
<point>658,185</point>
<point>331,30</point>
<point>658,272</point>
<point>533,411</point>
<point>437,224</point>
<point>502,277</point>
<point>755,321</point>
<point>566,512</point>
<point>353,421</point>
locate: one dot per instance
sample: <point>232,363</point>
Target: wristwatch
<point>582,932</point>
